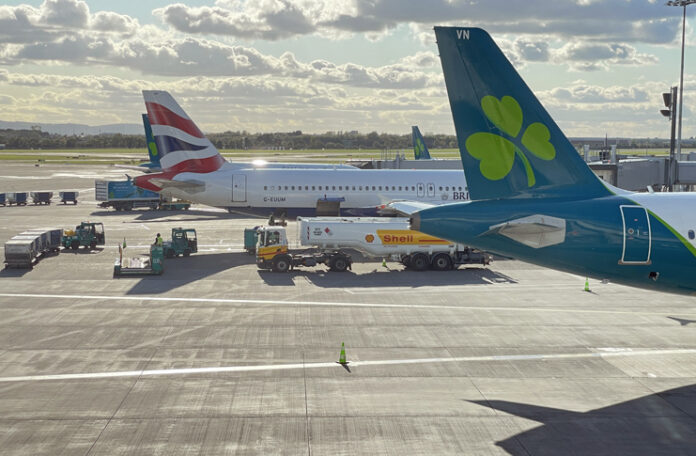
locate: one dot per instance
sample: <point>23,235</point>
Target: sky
<point>598,66</point>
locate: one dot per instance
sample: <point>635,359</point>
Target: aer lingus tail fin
<point>510,146</point>
<point>420,150</point>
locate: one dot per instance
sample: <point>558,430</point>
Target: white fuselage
<point>235,187</point>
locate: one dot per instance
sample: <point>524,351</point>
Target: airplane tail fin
<point>181,146</point>
<point>420,150</point>
<point>509,145</point>
<point>151,145</point>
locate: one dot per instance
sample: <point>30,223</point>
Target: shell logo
<point>369,238</point>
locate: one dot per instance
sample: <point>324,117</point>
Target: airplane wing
<point>189,186</point>
<point>535,231</point>
<point>144,169</point>
<point>404,207</point>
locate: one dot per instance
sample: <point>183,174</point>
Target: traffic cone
<point>587,284</point>
<point>124,243</point>
<point>384,263</point>
<point>342,357</point>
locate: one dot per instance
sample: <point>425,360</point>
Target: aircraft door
<point>238,188</point>
<point>637,236</point>
<point>421,190</point>
<point>431,190</point>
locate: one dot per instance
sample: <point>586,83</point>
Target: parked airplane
<point>420,150</point>
<point>194,170</point>
<point>534,198</point>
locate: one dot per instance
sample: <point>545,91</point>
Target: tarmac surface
<point>216,357</point>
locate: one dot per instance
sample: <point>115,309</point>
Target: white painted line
<point>337,304</point>
<point>384,362</point>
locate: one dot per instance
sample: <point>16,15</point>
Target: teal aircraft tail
<point>151,145</point>
<point>510,146</point>
<point>420,150</point>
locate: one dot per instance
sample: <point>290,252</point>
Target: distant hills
<point>74,129</point>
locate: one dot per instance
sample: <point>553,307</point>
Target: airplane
<point>194,170</point>
<point>533,198</point>
<point>153,165</point>
<point>420,150</point>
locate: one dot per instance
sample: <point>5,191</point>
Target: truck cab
<point>86,234</point>
<point>272,241</point>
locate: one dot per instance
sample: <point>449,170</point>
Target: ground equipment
<point>272,253</point>
<point>41,197</point>
<point>68,197</point>
<point>386,237</point>
<point>124,195</point>
<point>86,234</point>
<point>23,250</point>
<point>184,242</point>
<point>3,200</point>
<point>151,265</point>
<point>251,237</point>
<point>17,198</point>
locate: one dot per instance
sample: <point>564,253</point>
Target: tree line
<point>34,139</point>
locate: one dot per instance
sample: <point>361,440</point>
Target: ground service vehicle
<point>184,242</point>
<point>41,197</point>
<point>86,234</point>
<point>123,195</point>
<point>272,253</point>
<point>3,200</point>
<point>18,198</point>
<point>152,265</point>
<point>23,250</point>
<point>68,197</point>
<point>385,237</point>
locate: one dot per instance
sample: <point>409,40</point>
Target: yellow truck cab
<point>272,241</point>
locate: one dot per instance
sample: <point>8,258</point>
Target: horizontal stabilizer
<point>189,186</point>
<point>144,168</point>
<point>535,231</point>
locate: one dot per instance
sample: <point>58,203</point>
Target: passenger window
<point>293,188</point>
<point>691,234</point>
<point>340,187</point>
<point>413,188</point>
<point>313,187</point>
<point>374,188</point>
<point>447,188</point>
<point>353,187</point>
<point>399,187</point>
<point>360,188</point>
<point>265,187</point>
<point>440,189</point>
<point>306,187</point>
<point>380,187</point>
<point>333,188</point>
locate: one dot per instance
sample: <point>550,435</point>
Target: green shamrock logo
<point>496,153</point>
<point>419,148</point>
<point>153,148</point>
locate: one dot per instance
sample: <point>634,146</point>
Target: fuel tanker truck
<point>374,237</point>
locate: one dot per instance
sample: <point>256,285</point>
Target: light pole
<point>683,4</point>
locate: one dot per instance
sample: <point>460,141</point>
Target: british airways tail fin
<point>182,147</point>
<point>420,150</point>
<point>510,146</point>
<point>151,146</point>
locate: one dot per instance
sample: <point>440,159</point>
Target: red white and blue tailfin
<point>182,146</point>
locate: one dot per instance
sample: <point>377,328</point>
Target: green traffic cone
<point>384,263</point>
<point>587,284</point>
<point>342,357</point>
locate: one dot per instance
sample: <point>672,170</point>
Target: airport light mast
<point>683,4</point>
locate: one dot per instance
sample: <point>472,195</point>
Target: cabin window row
<point>394,188</point>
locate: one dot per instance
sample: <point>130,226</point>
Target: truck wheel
<point>442,262</point>
<point>74,245</point>
<point>281,263</point>
<point>187,252</point>
<point>338,263</point>
<point>420,262</point>
<point>406,260</point>
<point>92,245</point>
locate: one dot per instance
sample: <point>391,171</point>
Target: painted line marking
<point>384,362</point>
<point>337,304</point>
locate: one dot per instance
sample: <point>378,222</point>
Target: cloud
<point>608,20</point>
<point>594,56</point>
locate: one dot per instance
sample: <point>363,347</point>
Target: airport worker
<point>158,240</point>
